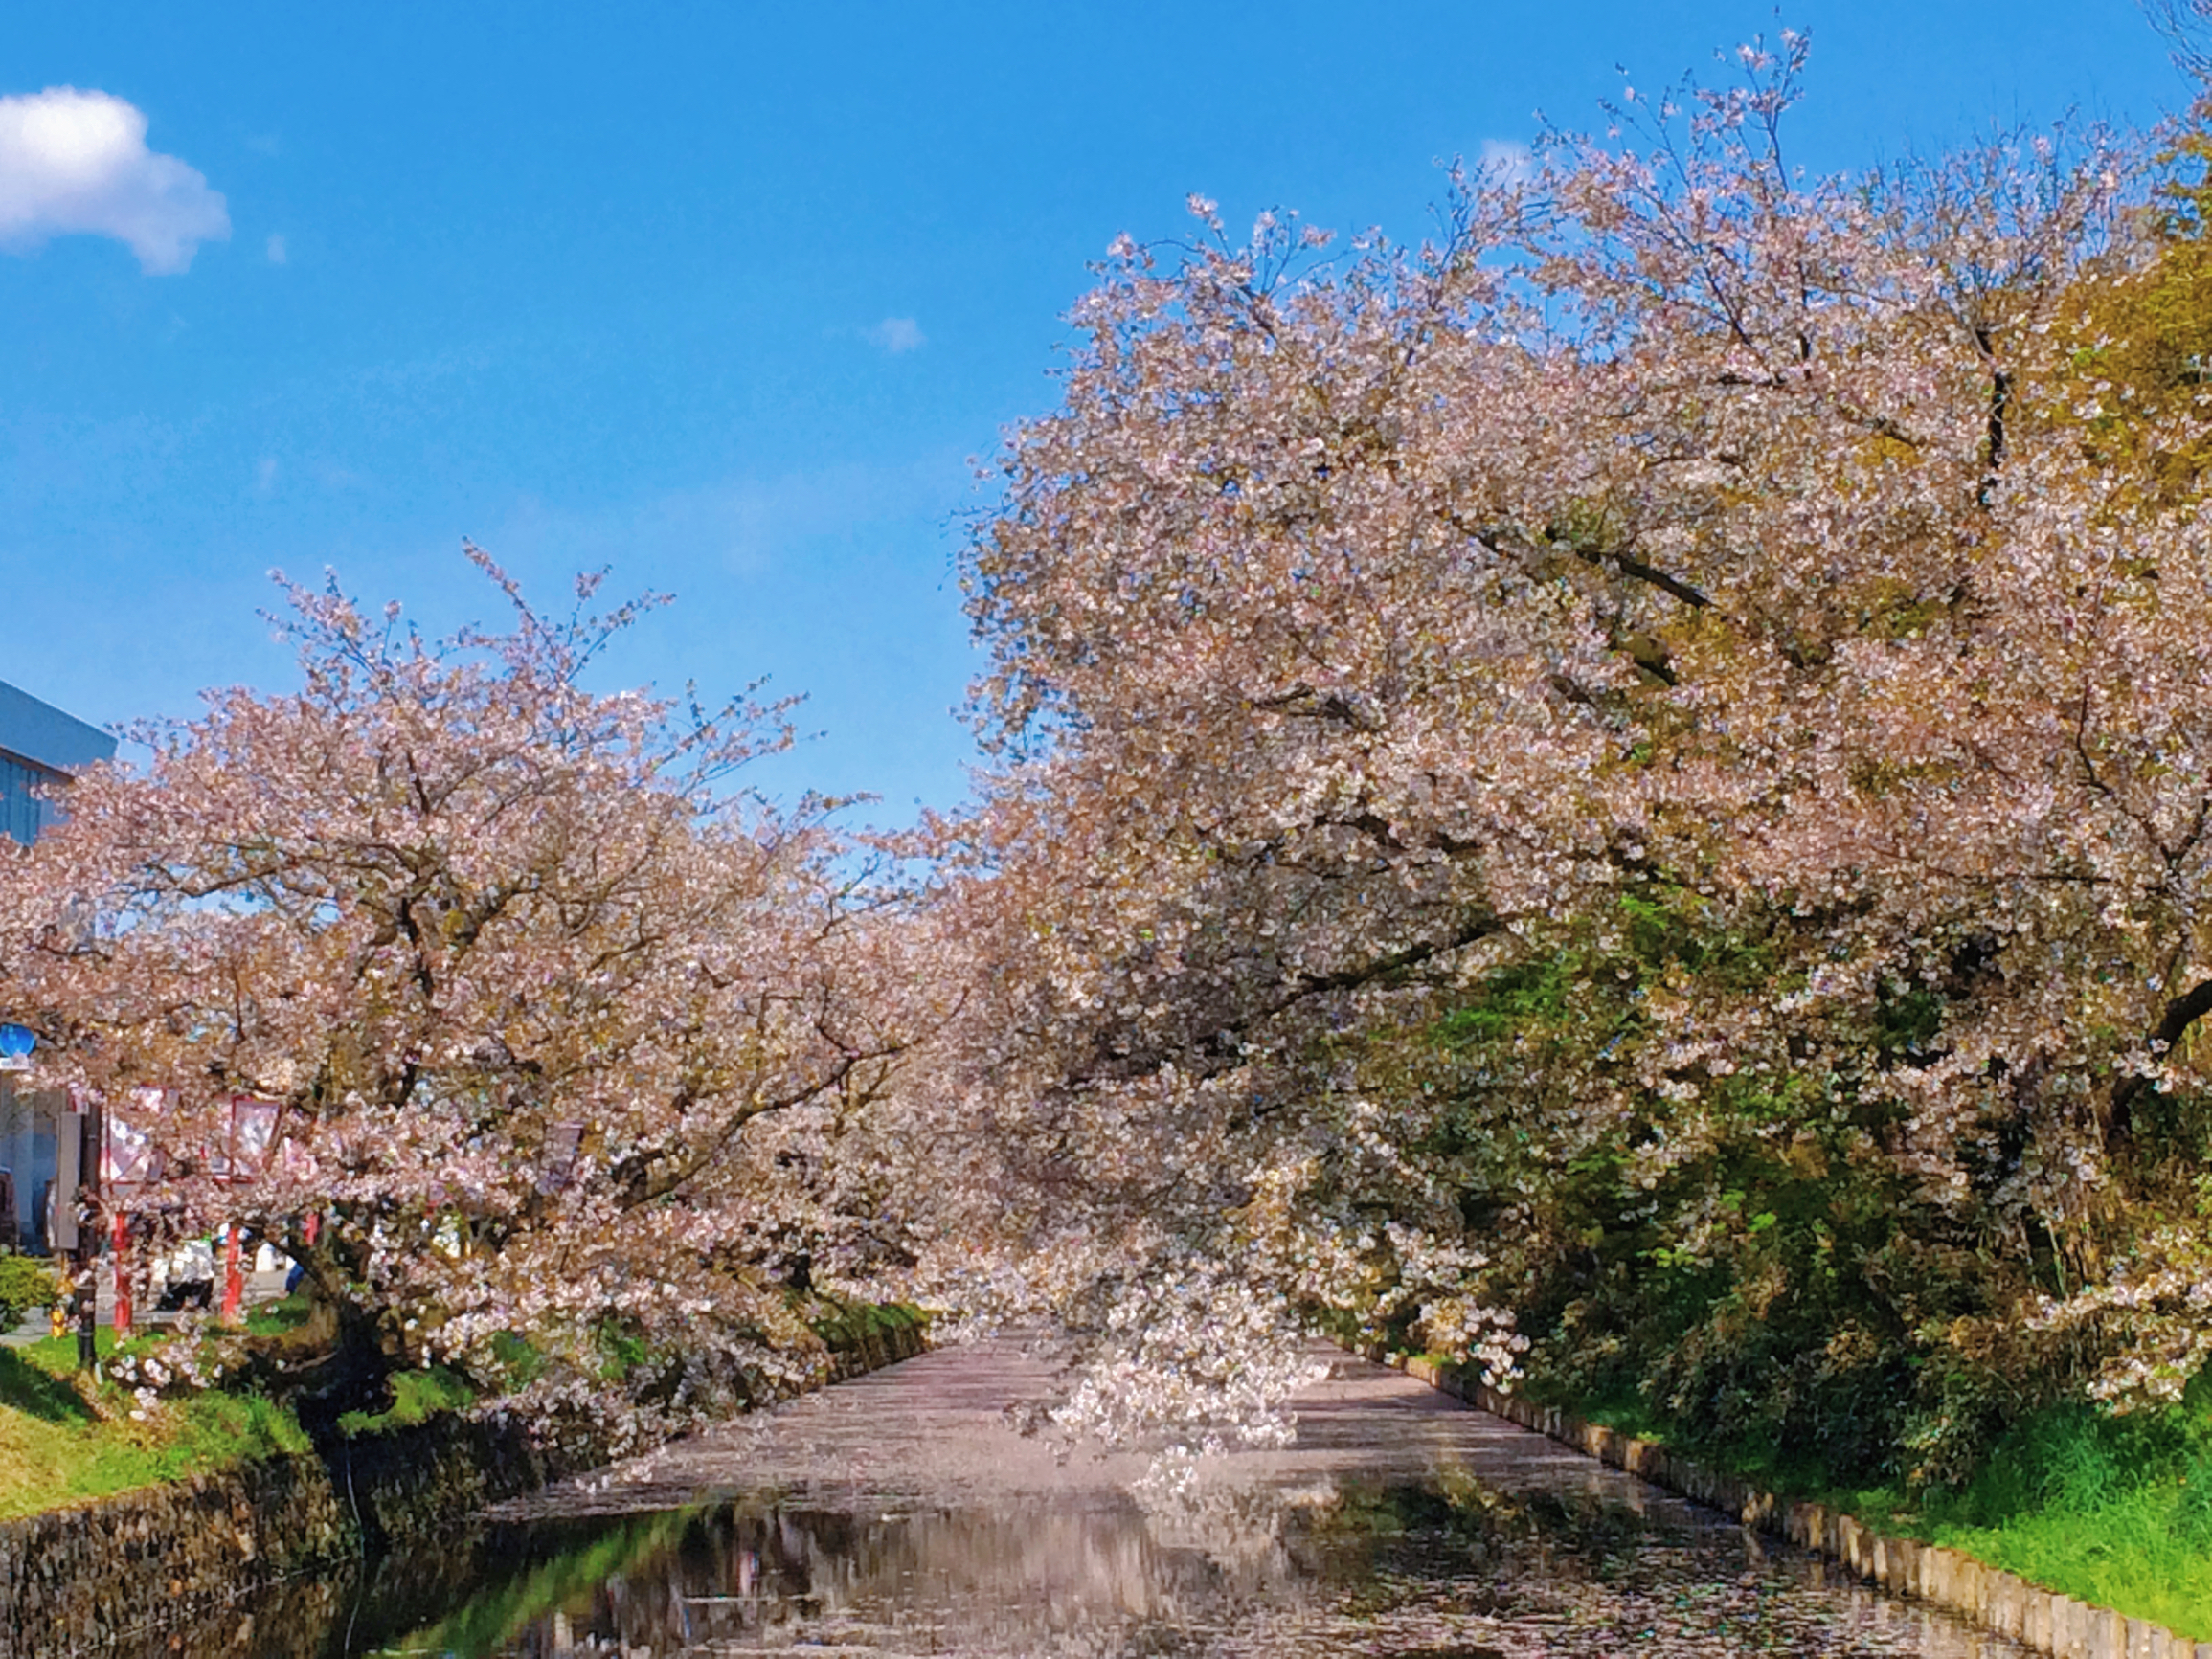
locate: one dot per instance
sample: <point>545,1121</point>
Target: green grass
<point>2112,1510</point>
<point>2115,1511</point>
<point>274,1318</point>
<point>1626,1412</point>
<point>416,1397</point>
<point>63,1439</point>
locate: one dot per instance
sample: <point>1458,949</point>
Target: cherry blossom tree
<point>525,969</point>
<point>1672,531</point>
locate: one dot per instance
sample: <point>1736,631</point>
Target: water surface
<point>902,1513</point>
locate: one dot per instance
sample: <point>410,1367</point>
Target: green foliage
<point>622,1350</point>
<point>66,1435</point>
<point>515,1361</point>
<point>26,1284</point>
<point>221,1429</point>
<point>2146,337</point>
<point>56,1355</point>
<point>849,1325</point>
<point>1737,1260</point>
<point>416,1397</point>
<point>1774,1296</point>
<point>33,1388</point>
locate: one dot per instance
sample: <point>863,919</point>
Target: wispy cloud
<point>75,162</point>
<point>897,334</point>
<point>277,256</point>
<point>266,476</point>
<point>747,527</point>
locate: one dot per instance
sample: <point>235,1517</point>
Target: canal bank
<point>2041,1620</point>
<point>99,1576</point>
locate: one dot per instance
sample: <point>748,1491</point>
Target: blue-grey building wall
<point>40,746</point>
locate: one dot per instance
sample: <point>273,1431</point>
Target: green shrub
<point>26,1284</point>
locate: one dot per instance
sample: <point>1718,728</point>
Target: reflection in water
<point>1451,1569</point>
<point>790,1579</point>
<point>898,1514</point>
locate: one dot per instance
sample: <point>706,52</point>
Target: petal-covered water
<point>902,1514</point>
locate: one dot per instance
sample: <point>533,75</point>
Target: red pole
<point>233,1281</point>
<point>121,1238</point>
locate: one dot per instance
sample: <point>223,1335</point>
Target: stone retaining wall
<point>103,1576</point>
<point>2001,1601</point>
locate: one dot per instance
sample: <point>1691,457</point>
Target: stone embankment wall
<point>106,1576</point>
<point>2001,1601</point>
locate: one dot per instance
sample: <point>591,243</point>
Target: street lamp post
<point>92,1128</point>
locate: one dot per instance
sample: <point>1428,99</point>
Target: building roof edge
<point>41,733</point>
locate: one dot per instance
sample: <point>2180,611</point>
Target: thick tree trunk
<point>339,1360</point>
<point>2184,1012</point>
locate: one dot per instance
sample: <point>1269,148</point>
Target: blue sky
<point>723,295</point>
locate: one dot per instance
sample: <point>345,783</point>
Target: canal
<point>901,1514</point>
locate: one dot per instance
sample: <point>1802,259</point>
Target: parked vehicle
<point>185,1277</point>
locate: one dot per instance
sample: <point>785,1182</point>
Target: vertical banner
<point>130,1159</point>
<point>251,1132</point>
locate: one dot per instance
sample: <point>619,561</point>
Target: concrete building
<point>39,748</point>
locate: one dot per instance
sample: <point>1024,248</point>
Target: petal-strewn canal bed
<point>902,1514</point>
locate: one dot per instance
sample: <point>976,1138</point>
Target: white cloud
<point>277,254</point>
<point>266,476</point>
<point>1507,163</point>
<point>897,334</point>
<point>75,162</point>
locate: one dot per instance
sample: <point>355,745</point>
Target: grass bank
<point>2112,1510</point>
<point>65,1437</point>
